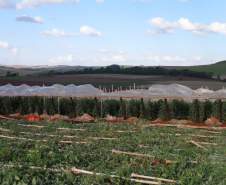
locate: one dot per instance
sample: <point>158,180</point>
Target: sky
<point>104,32</point>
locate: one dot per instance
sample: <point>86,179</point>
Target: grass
<point>96,155</point>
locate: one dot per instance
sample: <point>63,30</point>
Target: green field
<point>29,154</point>
<point>216,69</point>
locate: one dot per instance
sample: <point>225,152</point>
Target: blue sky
<point>104,32</point>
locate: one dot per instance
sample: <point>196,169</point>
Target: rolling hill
<point>218,68</point>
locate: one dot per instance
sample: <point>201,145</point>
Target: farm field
<point>107,80</point>
<point>48,153</point>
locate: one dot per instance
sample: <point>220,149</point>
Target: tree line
<point>146,109</point>
<point>137,70</point>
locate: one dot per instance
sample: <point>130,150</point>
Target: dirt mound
<point>113,119</point>
<point>85,118</point>
<point>213,122</point>
<point>16,116</point>
<point>158,120</point>
<point>45,117</point>
<point>132,120</point>
<point>58,117</point>
<point>180,122</point>
<point>32,118</point>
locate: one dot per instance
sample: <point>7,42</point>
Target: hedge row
<point>178,109</point>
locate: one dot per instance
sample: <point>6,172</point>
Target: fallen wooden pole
<point>71,129</point>
<point>21,138</point>
<point>43,140</point>
<point>203,136</point>
<point>7,118</point>
<point>198,145</point>
<point>134,175</point>
<point>102,138</point>
<point>131,154</point>
<point>30,126</point>
<point>85,172</point>
<point>4,130</point>
<point>207,143</point>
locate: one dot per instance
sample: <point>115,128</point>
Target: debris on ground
<point>132,120</point>
<point>213,122</point>
<point>113,119</point>
<point>58,117</point>
<point>180,122</point>
<point>85,118</point>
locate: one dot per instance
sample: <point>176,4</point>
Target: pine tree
<point>165,112</point>
<point>218,110</point>
<point>142,109</point>
<point>195,111</point>
<point>96,108</point>
<point>206,110</point>
<point>122,109</point>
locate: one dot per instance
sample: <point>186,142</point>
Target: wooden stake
<point>134,175</point>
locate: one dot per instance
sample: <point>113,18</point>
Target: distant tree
<point>218,110</point>
<point>180,109</point>
<point>142,109</point>
<point>134,108</point>
<point>206,110</point>
<point>96,108</point>
<point>165,112</point>
<point>122,109</point>
<point>195,111</point>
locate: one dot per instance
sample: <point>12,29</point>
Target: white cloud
<point>6,4</point>
<point>36,3</point>
<point>100,1</point>
<point>6,45</point>
<point>26,18</point>
<point>171,60</point>
<point>57,33</point>
<point>89,31</point>
<point>67,59</point>
<point>164,26</point>
<point>84,30</point>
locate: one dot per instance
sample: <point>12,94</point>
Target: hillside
<point>218,68</point>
